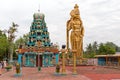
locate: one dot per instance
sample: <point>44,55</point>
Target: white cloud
<point>101,18</point>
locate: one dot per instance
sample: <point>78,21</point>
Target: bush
<point>8,68</point>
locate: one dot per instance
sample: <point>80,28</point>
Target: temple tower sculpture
<point>39,50</point>
<point>39,35</point>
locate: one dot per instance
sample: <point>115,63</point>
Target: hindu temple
<point>38,51</point>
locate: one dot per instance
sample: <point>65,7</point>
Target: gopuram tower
<point>38,50</point>
<point>39,35</point>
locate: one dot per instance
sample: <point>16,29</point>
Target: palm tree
<point>11,36</point>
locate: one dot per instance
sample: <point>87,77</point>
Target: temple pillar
<point>20,59</point>
<point>57,58</point>
<point>63,50</point>
<point>118,61</point>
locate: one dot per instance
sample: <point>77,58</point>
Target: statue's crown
<point>76,6</point>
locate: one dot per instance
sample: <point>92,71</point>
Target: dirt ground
<point>97,72</point>
<point>48,73</point>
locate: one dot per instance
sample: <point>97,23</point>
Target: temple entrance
<point>39,60</point>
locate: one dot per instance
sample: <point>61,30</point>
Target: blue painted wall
<point>47,58</point>
<point>30,59</point>
<point>102,61</point>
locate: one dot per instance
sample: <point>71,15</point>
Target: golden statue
<point>77,32</point>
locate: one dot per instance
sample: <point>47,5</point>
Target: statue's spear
<point>67,38</point>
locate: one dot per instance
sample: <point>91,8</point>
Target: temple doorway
<point>39,60</point>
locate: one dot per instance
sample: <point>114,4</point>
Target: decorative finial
<point>39,8</point>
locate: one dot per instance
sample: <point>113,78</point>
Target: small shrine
<point>38,51</point>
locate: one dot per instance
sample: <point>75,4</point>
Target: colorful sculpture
<point>38,50</point>
<point>18,68</point>
<point>76,38</point>
<point>39,35</point>
<point>57,68</point>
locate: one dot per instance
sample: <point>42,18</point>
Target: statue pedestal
<point>57,74</point>
<point>17,75</point>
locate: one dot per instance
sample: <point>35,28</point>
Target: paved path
<point>47,73</point>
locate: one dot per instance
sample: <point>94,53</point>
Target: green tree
<point>95,47</point>
<point>89,49</point>
<point>3,45</point>
<point>101,49</point>
<point>21,41</point>
<point>107,48</point>
<point>117,48</point>
<point>11,36</point>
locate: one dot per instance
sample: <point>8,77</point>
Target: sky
<point>101,18</point>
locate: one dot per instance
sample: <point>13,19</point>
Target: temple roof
<point>38,15</point>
